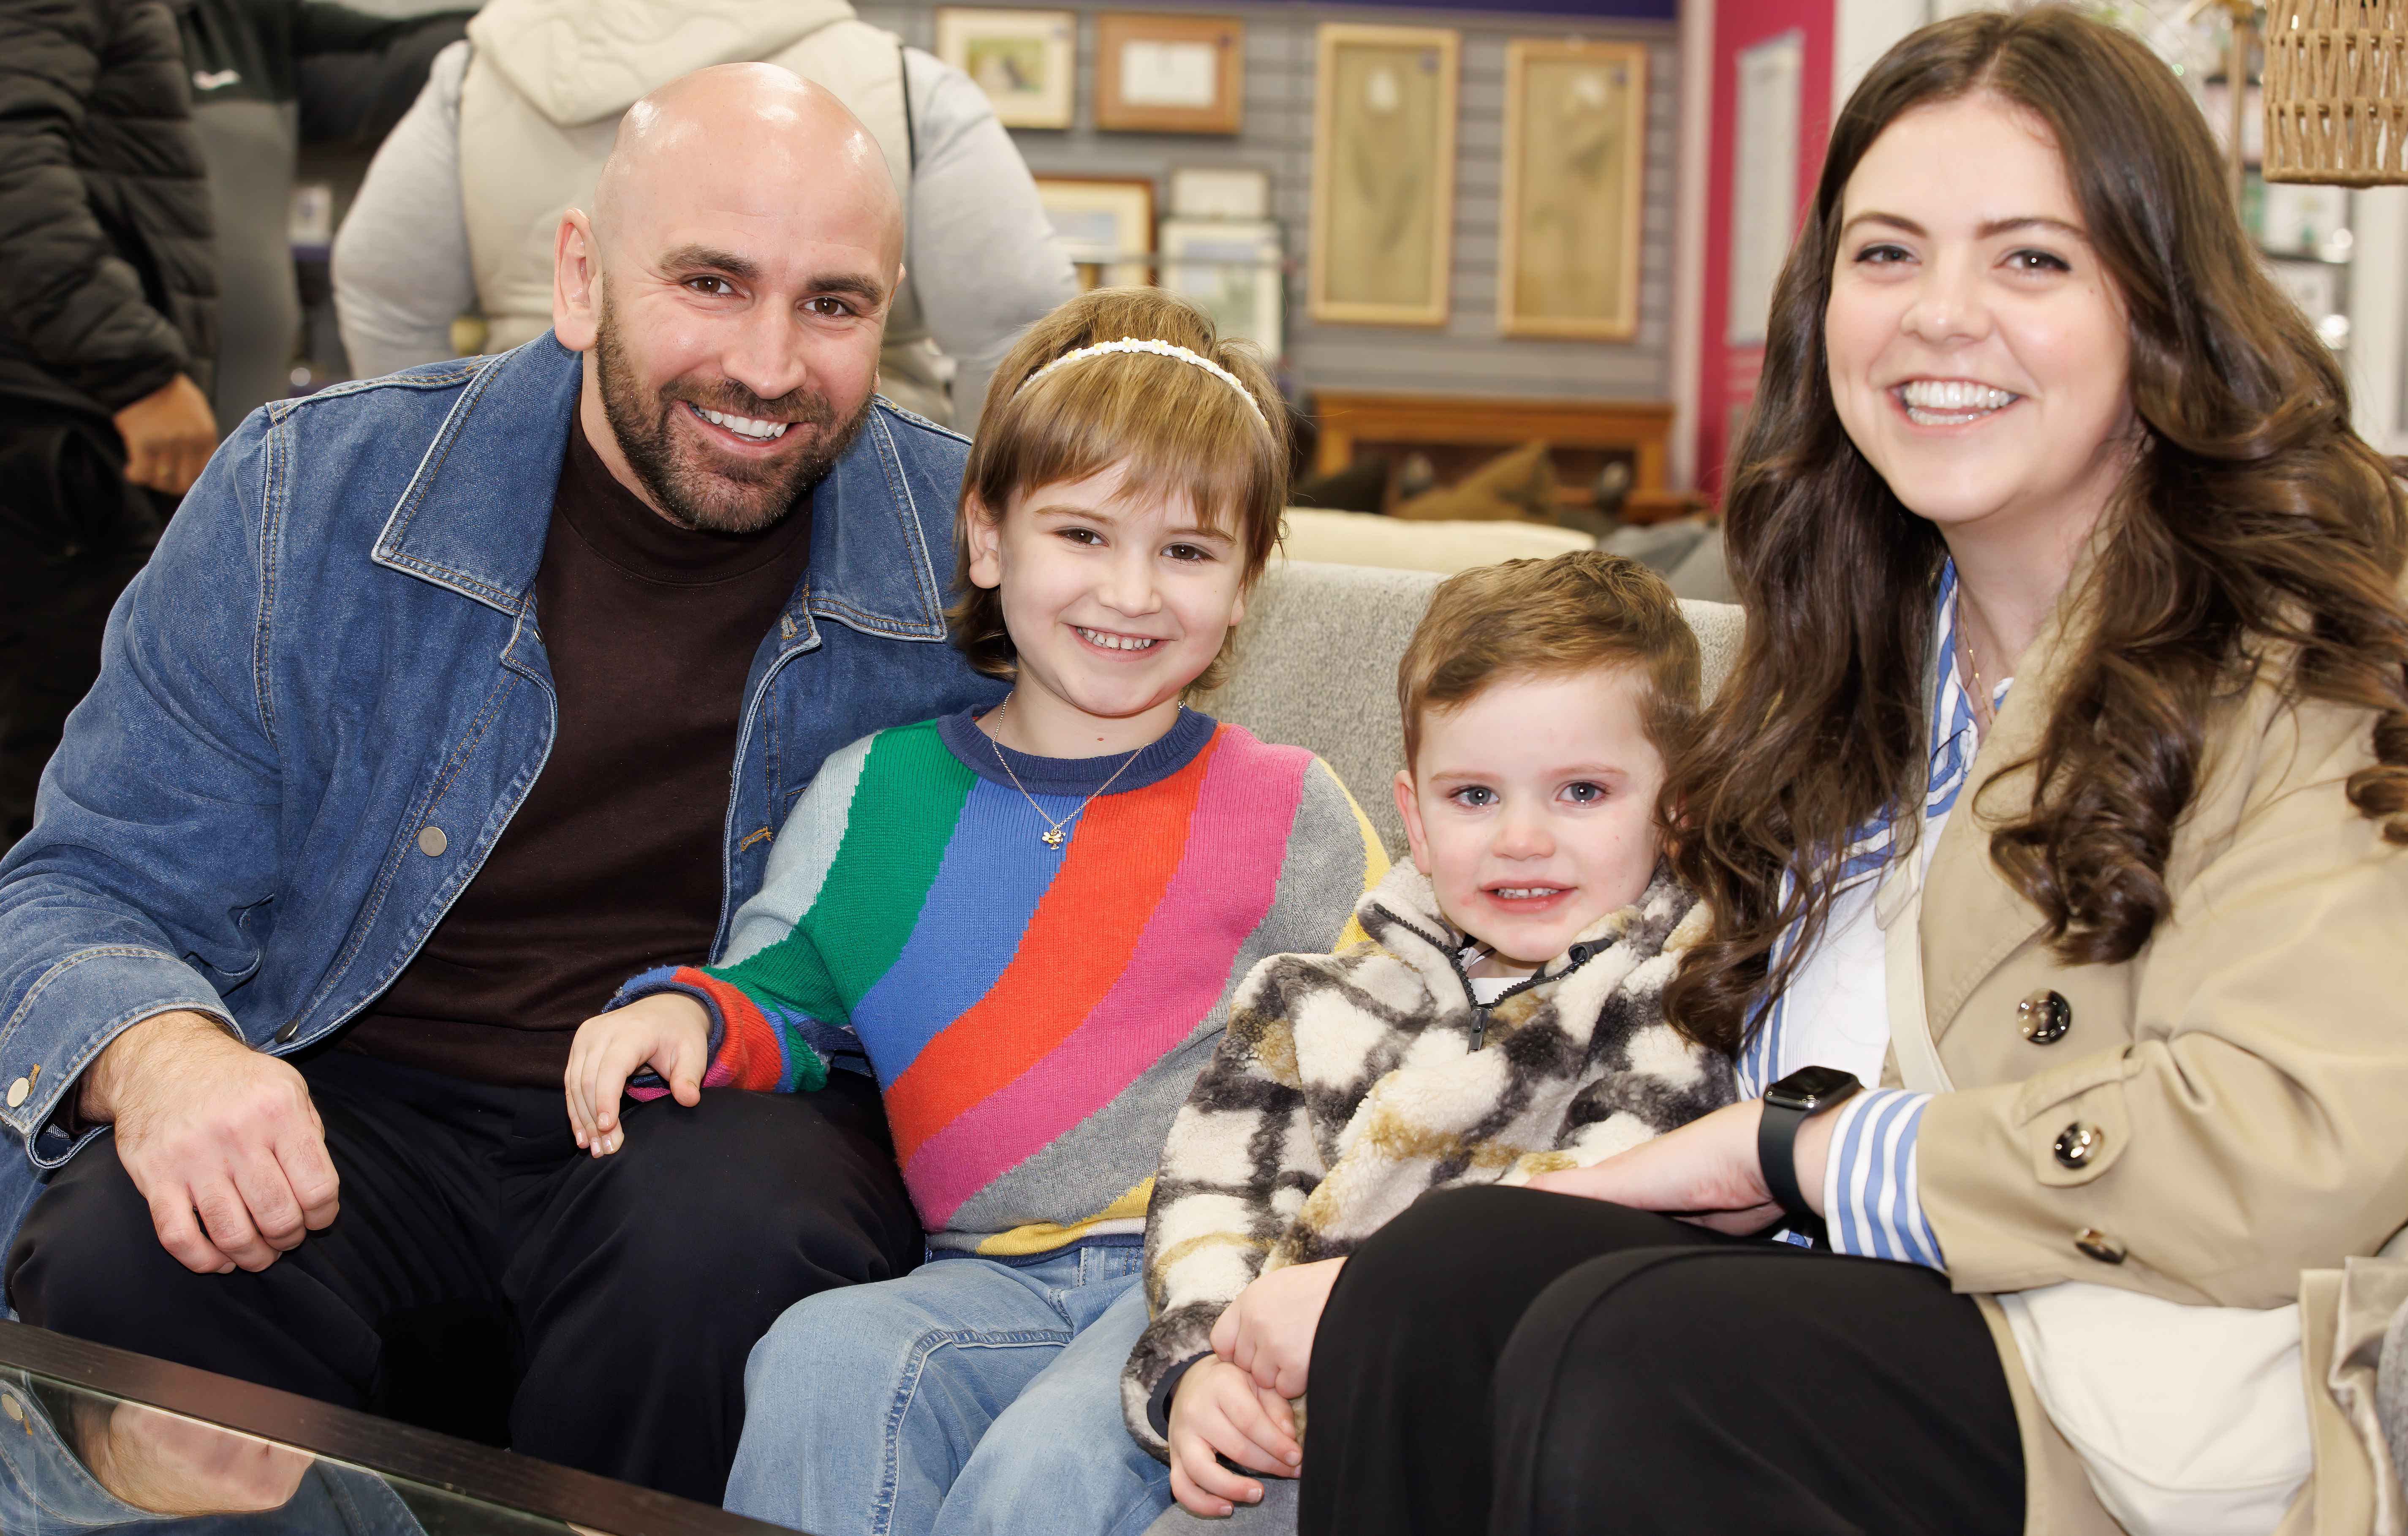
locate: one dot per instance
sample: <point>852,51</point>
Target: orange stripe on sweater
<point>1114,871</point>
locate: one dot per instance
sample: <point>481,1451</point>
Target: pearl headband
<point>1159,349</point>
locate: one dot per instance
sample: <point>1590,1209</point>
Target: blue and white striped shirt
<point>1870,1202</point>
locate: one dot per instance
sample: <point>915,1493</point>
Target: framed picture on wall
<point>1231,268</point>
<point>1025,61</point>
<point>1169,74</point>
<point>1382,174</point>
<point>1575,163</point>
<point>1102,221</point>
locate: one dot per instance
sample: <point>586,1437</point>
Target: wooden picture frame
<point>1025,61</point>
<point>1385,111</point>
<point>1232,269</point>
<point>1101,220</point>
<point>1569,225</point>
<point>1165,74</point>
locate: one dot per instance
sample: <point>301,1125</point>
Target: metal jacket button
<point>2045,1017</point>
<point>292,1027</point>
<point>2078,1143</point>
<point>431,841</point>
<point>2097,1245</point>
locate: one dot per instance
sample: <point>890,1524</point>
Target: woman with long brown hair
<point>2060,787</point>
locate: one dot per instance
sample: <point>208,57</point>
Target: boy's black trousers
<point>486,1278</point>
<point>1532,1364</point>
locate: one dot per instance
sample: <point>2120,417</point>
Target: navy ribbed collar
<point>1156,761</point>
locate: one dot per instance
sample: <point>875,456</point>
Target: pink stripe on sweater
<point>1237,841</point>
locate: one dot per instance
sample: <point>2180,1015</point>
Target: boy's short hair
<point>1545,618</point>
<point>1176,426</point>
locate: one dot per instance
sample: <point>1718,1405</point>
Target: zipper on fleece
<point>1579,955</point>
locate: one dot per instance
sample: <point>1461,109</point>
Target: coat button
<point>2097,1245</point>
<point>2078,1143</point>
<point>18,1090</point>
<point>431,841</point>
<point>2045,1017</point>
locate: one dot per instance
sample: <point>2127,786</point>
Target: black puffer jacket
<point>108,283</point>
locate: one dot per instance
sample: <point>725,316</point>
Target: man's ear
<point>985,529</point>
<point>576,282</point>
<point>1410,807</point>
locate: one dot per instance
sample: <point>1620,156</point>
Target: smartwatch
<point>1787,1105</point>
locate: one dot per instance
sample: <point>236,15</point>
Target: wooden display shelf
<point>1638,427</point>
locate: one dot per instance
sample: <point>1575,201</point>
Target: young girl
<point>1027,923</point>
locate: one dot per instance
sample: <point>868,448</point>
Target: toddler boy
<point>1503,1018</point>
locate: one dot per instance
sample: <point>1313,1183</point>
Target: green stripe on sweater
<point>904,807</point>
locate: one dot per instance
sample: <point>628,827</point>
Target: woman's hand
<point>1705,1172</point>
<point>1267,1332</point>
<point>1218,1411</point>
<point>667,1032</point>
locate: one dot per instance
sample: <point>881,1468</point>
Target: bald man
<point>450,701</point>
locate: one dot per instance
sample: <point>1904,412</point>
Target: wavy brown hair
<point>2252,520</point>
<point>1172,426</point>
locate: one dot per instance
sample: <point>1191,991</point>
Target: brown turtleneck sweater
<point>613,862</point>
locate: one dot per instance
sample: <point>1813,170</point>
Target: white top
<point>978,250</point>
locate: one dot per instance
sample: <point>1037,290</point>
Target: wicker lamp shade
<point>2336,84</point>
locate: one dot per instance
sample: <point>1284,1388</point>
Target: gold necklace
<point>1053,837</point>
<point>1984,711</point>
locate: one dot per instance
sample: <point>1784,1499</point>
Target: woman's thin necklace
<point>1053,837</point>
<point>1984,711</point>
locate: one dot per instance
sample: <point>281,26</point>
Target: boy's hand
<point>1218,1411</point>
<point>667,1032</point>
<point>1267,1332</point>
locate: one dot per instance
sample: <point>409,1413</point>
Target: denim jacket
<point>325,699</point>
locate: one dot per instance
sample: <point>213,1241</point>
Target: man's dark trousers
<point>487,1278</point>
<point>72,534</point>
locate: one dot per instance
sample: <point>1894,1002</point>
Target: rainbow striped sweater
<point>1035,1014</point>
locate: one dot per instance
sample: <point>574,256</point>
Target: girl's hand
<point>1218,1411</point>
<point>1267,1332</point>
<point>667,1032</point>
<point>1706,1172</point>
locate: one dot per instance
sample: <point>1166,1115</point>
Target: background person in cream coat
<point>2048,488</point>
<point>459,209</point>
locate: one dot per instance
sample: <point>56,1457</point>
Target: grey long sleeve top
<point>980,252</point>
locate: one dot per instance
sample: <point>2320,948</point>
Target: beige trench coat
<point>2248,1069</point>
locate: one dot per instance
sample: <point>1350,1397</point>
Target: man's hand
<point>1706,1172</point>
<point>1267,1332</point>
<point>169,434</point>
<point>220,1139</point>
<point>1218,1411</point>
<point>169,1465</point>
<point>667,1032</point>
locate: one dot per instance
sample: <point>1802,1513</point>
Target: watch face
<point>1809,1088</point>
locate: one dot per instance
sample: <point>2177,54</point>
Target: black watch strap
<point>1789,1104</point>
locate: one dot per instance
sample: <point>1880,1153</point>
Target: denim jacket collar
<point>474,516</point>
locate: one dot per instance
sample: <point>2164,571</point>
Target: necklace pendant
<point>1053,839</point>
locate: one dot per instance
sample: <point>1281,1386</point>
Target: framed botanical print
<point>1382,174</point>
<point>1025,61</point>
<point>1165,74</point>
<point>1575,164</point>
<point>1102,222</point>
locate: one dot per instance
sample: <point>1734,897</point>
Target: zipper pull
<point>1479,1027</point>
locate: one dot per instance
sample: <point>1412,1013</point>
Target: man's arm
<point>401,266</point>
<point>139,900</point>
<point>981,255</point>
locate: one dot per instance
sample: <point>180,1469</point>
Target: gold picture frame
<point>1384,109</point>
<point>1570,225</point>
<point>1102,221</point>
<point>1025,61</point>
<point>1158,74</point>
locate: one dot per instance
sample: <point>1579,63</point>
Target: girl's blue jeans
<point>969,1395</point>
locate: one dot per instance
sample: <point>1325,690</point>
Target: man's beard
<point>730,494</point>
